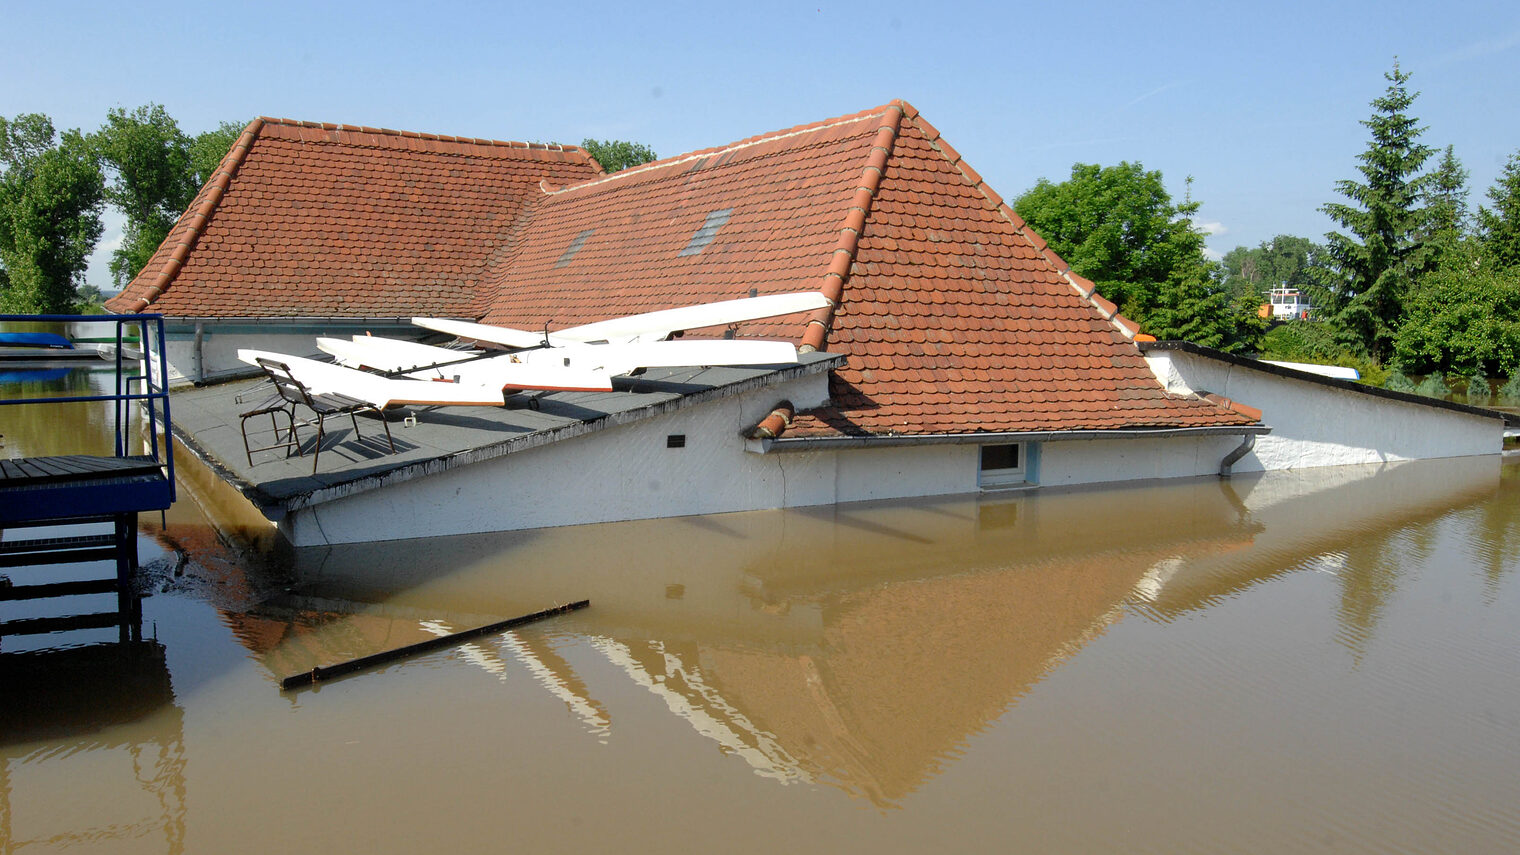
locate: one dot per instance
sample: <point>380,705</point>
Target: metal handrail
<point>154,380</point>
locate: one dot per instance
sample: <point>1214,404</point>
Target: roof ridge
<point>199,215</point>
<point>417,135</point>
<point>747,142</point>
<point>1083,286</point>
<point>816,332</point>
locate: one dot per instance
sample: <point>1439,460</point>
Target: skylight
<point>709,230</point>
<point>575,246</point>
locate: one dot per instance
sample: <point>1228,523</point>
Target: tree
<point>1284,261</point>
<point>1464,317</point>
<point>151,180</point>
<point>207,150</point>
<point>1117,226</point>
<point>615,155</point>
<point>51,192</point>
<point>1372,269</point>
<point>1500,227</point>
<point>1446,204</point>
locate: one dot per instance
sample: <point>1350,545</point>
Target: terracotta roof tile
<point>308,219</point>
<point>954,315</point>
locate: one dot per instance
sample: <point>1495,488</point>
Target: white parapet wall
<point>631,472</point>
<point>1317,421</point>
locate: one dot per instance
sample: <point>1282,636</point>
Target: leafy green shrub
<point>1398,381</point>
<point>1479,390</point>
<point>1510,392</point>
<point>1433,386</point>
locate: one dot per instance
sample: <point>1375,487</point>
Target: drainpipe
<point>1247,443</point>
<point>199,357</point>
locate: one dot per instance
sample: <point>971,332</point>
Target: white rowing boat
<point>497,372</point>
<point>646,327</point>
<point>557,363</point>
<point>382,392</point>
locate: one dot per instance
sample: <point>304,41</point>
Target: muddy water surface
<point>1326,661</point>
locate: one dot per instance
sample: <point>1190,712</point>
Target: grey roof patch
<point>575,246</point>
<point>707,232</point>
<point>207,421</point>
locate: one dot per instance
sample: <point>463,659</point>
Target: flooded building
<point>958,353</point>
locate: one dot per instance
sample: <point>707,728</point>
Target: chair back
<point>285,383</point>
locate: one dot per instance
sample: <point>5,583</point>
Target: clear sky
<point>1260,103</point>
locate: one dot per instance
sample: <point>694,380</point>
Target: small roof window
<point>575,246</point>
<point>707,232</point>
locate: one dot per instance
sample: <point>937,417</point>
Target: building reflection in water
<point>859,646</point>
<point>81,722</point>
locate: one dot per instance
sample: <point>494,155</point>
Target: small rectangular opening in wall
<point>1003,465</point>
<point>675,440</point>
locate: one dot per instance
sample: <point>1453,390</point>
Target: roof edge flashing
<point>826,443</point>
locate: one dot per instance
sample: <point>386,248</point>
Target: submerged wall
<point>1321,422</point>
<point>632,472</point>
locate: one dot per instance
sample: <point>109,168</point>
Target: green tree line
<point>55,187</point>
<point>1412,282</point>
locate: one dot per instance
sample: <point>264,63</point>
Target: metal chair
<point>323,405</point>
<point>271,406</point>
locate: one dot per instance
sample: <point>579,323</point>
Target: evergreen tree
<point>1501,226</point>
<point>1447,205</point>
<point>1373,268</point>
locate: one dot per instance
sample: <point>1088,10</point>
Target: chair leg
<point>316,455</point>
<point>385,424</point>
<point>293,438</point>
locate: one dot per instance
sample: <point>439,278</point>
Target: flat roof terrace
<point>208,421</point>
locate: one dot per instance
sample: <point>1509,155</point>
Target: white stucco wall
<point>220,353</point>
<point>1314,424</point>
<point>220,341</point>
<point>628,473</point>
<point>1098,461</point>
<point>620,473</point>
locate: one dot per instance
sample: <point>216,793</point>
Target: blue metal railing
<point>153,380</point>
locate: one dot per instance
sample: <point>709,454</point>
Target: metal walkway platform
<point>89,491</point>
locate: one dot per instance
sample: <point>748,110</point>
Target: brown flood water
<point>1322,661</point>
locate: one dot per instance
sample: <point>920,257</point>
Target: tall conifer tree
<point>1373,268</point>
<point>1501,226</point>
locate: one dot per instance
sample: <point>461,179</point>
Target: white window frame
<point>1013,476</point>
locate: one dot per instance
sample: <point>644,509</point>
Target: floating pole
<point>320,673</point>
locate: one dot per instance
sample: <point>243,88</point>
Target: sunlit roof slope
<point>323,220</point>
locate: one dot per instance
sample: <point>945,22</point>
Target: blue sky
<point>1260,103</point>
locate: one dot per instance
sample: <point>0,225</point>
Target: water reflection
<point>861,646</point>
<point>102,711</point>
<point>1284,662</point>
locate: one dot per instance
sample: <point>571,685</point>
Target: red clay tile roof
<point>955,316</point>
<point>958,318</point>
<point>309,220</point>
<point>786,195</point>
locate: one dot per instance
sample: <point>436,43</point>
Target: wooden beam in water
<point>320,673</point>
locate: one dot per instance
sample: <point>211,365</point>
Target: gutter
<point>831,443</point>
